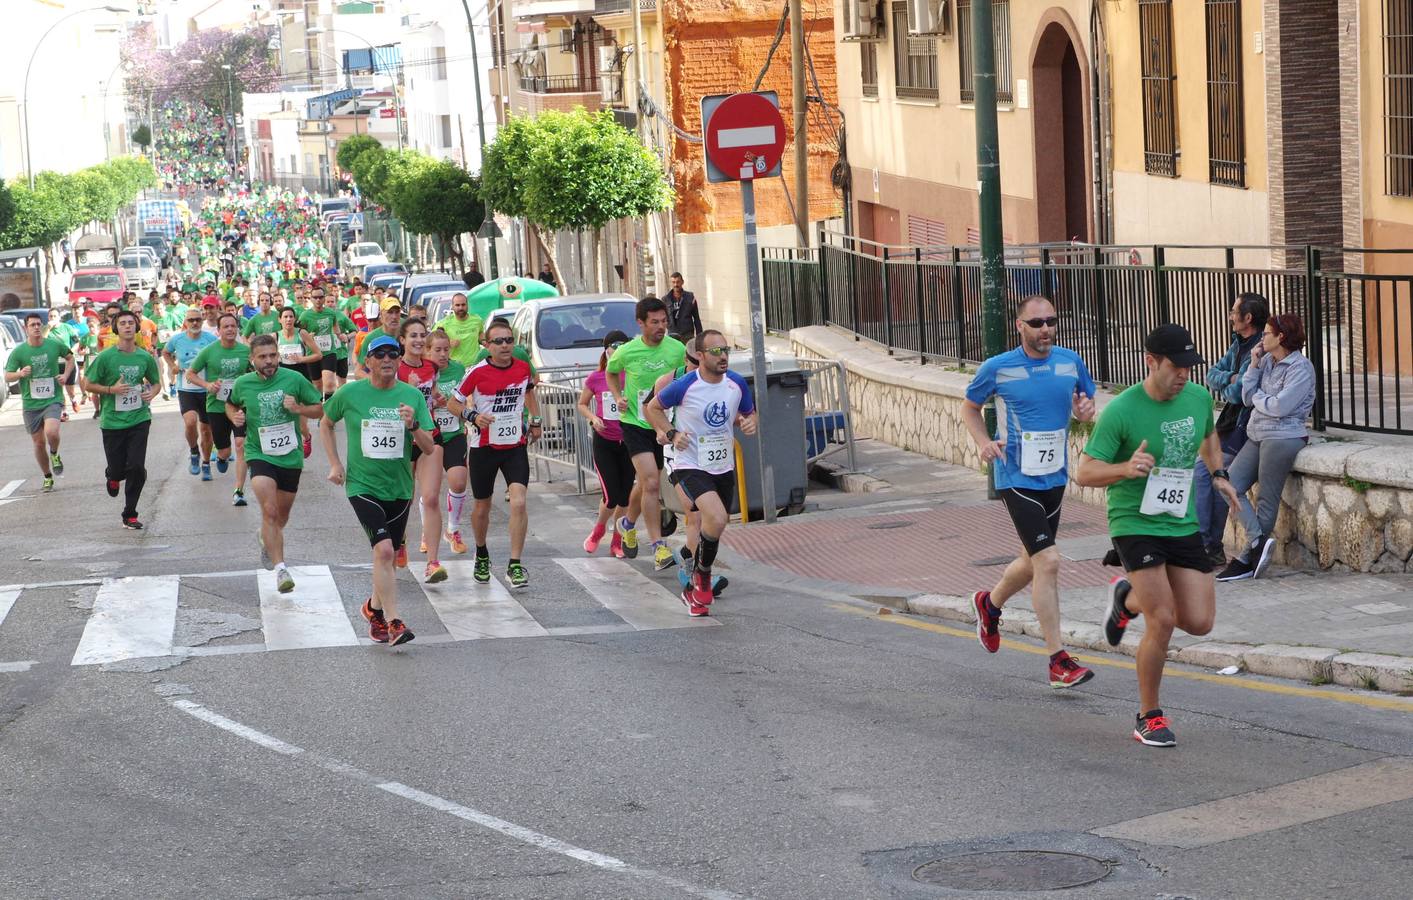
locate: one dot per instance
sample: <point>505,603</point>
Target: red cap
<point>211,300</point>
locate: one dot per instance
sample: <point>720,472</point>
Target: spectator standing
<point>473,276</point>
<point>1279,386</point>
<point>68,250</point>
<point>547,275</point>
<point>683,318</point>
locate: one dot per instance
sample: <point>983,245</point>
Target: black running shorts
<point>222,430</point>
<point>286,479</point>
<point>382,520</point>
<point>1035,515</point>
<point>695,482</point>
<point>642,440</point>
<point>487,462</point>
<point>454,451</point>
<point>193,401</point>
<point>1141,551</point>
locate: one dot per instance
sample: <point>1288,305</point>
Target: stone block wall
<point>1347,506</point>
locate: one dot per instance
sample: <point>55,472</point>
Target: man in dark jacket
<point>682,315</point>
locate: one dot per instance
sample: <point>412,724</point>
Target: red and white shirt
<point>499,393</point>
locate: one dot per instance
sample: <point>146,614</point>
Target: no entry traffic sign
<point>744,136</point>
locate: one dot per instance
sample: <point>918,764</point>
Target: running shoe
<point>238,498</point>
<point>206,471</point>
<point>1118,618</point>
<point>718,582</point>
<point>76,405</point>
<point>222,464</point>
<point>377,625</point>
<point>401,561</point>
<point>1261,550</point>
<point>56,464</point>
<point>988,630</point>
<point>398,633</point>
<point>284,581</point>
<point>112,487</point>
<point>194,465</point>
<point>591,543</point>
<point>1237,570</point>
<point>615,545</point>
<point>436,572</point>
<point>308,449</point>
<point>696,598</point>
<point>63,414</point>
<point>519,578</point>
<point>630,538</point>
<point>662,556</point>
<point>482,572</point>
<point>453,539</point>
<point>131,523</point>
<point>1065,672</point>
<point>48,484</point>
<point>1153,730</point>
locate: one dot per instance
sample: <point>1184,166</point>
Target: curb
<point>1318,665</point>
<point>841,479</point>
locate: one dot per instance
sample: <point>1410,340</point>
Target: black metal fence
<point>927,301</point>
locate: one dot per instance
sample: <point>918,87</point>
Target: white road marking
<point>1376,783</point>
<point>8,596</point>
<point>635,598</point>
<point>470,610</point>
<point>132,618</point>
<point>431,801</point>
<point>23,665</point>
<point>311,615</point>
<point>10,488</point>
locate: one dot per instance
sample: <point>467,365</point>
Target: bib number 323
<point>1167,493</point>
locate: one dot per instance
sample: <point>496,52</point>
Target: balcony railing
<point>614,7</point>
<point>557,84</point>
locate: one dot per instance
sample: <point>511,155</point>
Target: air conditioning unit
<point>608,59</point>
<point>566,40</point>
<point>929,17</point>
<point>863,20</point>
<point>611,87</point>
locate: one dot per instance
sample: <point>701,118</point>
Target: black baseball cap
<point>1173,342</point>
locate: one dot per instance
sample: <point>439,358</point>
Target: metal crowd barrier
<point>566,443</point>
<point>829,424</point>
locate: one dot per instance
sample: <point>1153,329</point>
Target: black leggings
<point>126,452</point>
<point>615,470</point>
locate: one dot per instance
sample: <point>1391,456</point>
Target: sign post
<point>745,138</point>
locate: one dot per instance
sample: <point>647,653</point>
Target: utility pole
<point>802,137</point>
<point>489,215</point>
<point>988,180</point>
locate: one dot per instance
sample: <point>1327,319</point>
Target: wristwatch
<point>671,434</point>
<point>1220,473</point>
<point>536,420</point>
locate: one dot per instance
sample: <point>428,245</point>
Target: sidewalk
<point>925,537</point>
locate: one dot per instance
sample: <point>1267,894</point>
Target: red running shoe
<point>615,545</point>
<point>308,445</point>
<point>1065,672</point>
<point>377,626</point>
<point>987,630</point>
<point>398,633</point>
<point>401,560</point>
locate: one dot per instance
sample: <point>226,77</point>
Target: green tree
<point>351,148</point>
<point>438,197</point>
<point>142,136</point>
<point>7,208</point>
<point>376,171</point>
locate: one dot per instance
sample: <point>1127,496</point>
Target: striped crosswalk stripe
<point>132,618</point>
<point>8,596</point>
<point>633,596</point>
<point>311,615</point>
<point>471,611</point>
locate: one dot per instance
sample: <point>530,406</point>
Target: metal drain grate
<point>1013,870</point>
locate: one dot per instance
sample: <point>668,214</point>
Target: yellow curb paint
<point>1289,690</point>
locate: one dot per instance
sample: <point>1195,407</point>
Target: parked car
<point>101,284</point>
<point>142,250</point>
<point>438,304</point>
<point>373,270</point>
<point>440,280</point>
<point>391,281</point>
<point>361,254</point>
<point>419,295</point>
<point>8,342</point>
<point>140,270</point>
<point>160,246</point>
<point>563,332</point>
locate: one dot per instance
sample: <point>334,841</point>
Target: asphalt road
<point>803,746</point>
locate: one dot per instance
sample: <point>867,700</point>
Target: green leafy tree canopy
<point>351,148</point>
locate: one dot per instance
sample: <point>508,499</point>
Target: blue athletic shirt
<point>707,413</point>
<point>185,348</point>
<point>1036,397</point>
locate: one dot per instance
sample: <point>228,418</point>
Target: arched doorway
<point>1062,195</point>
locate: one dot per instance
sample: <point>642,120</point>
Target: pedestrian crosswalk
<point>136,618</point>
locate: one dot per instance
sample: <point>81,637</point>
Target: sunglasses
<point>615,345</point>
<point>1050,322</point>
<point>385,353</point>
<point>718,351</point>
<point>193,321</point>
<point>501,340</point>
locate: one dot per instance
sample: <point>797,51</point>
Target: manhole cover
<point>879,526</point>
<point>993,561</point>
<point>1013,870</point>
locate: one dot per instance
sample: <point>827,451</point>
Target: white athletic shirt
<point>707,413</point>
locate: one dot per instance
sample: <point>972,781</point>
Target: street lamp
<point>119,10</point>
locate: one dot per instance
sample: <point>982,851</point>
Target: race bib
<point>445,419</point>
<point>129,400</point>
<point>277,440</point>
<point>324,342</point>
<point>382,438</point>
<point>223,390</point>
<point>1167,492</point>
<point>41,388</point>
<point>608,407</point>
<point>714,451</point>
<point>505,427</point>
<point>1042,452</point>
<point>164,335</point>
<point>291,355</point>
<point>642,403</point>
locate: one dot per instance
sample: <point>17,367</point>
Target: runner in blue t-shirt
<point>180,350</point>
<point>1039,386</point>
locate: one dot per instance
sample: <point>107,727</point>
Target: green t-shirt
<point>468,332</point>
<point>1174,431</point>
<point>267,421</point>
<point>448,380</point>
<point>41,388</point>
<point>261,323</point>
<point>643,366</point>
<point>136,368</point>
<point>386,473</point>
<point>216,363</point>
<point>320,323</point>
<point>64,333</point>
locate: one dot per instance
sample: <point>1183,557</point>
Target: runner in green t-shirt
<point>1142,450</point>
<point>383,417</point>
<point>215,369</point>
<point>331,330</point>
<point>451,434</point>
<point>67,333</point>
<point>464,329</point>
<point>40,365</point>
<point>266,321</point>
<point>268,402</point>
<point>632,371</point>
<point>125,379</point>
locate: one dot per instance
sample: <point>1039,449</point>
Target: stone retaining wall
<point>1347,506</point>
